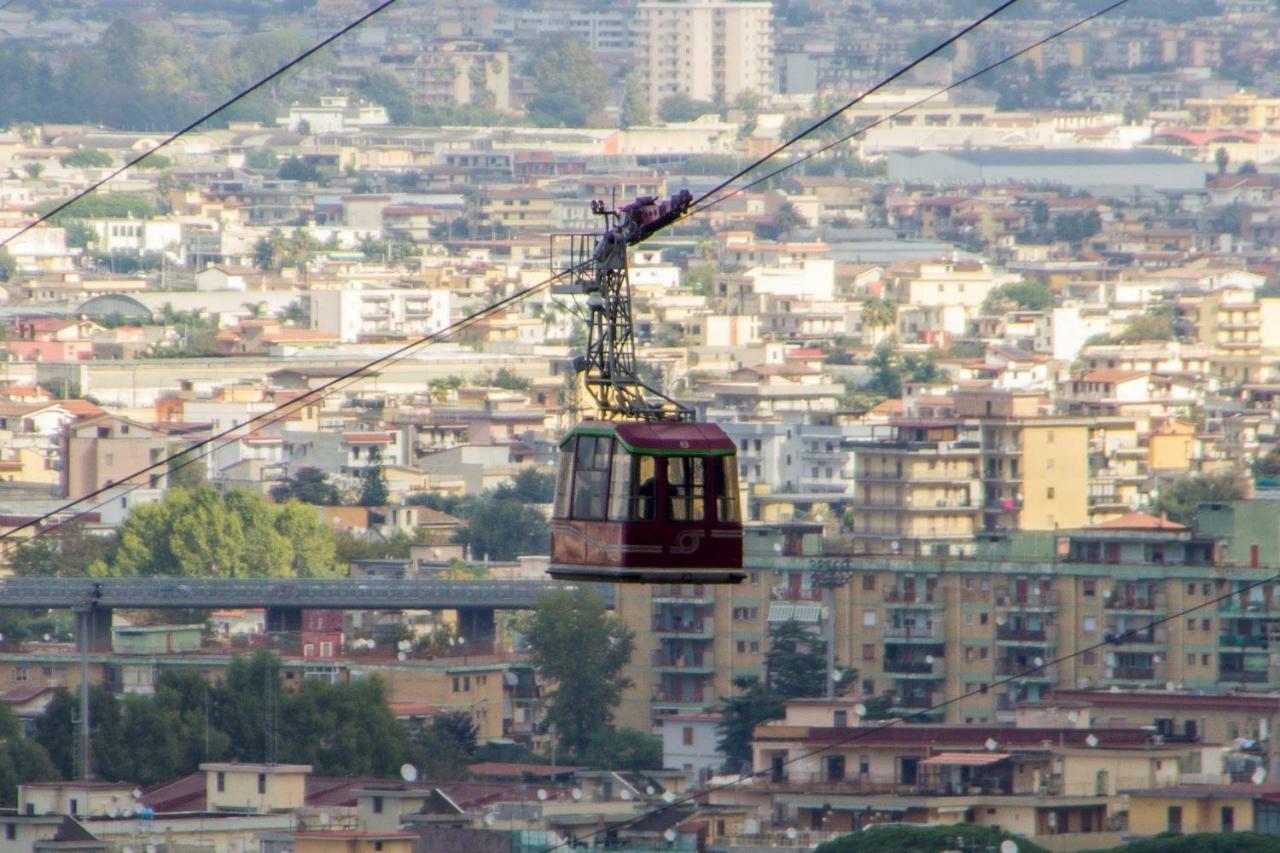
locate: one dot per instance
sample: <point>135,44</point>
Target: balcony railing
<point>681,590</point>
<point>1260,641</point>
<point>1020,634</point>
<point>1250,676</point>
<point>915,596</point>
<point>675,661</point>
<point>1031,598</point>
<point>912,667</point>
<point>1136,673</point>
<point>911,632</point>
<point>693,626</point>
<point>1027,670</point>
<point>1134,602</point>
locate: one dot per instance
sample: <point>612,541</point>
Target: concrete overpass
<point>284,599</point>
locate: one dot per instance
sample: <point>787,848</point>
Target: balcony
<point>914,702</point>
<point>1133,672</point>
<point>1030,600</point>
<point>1023,670</point>
<point>683,663</point>
<point>1260,641</point>
<point>928,631</point>
<point>1019,634</point>
<point>683,592</point>
<point>914,667</point>
<point>1136,603</point>
<point>915,597</point>
<point>692,627</point>
<point>1246,676</point>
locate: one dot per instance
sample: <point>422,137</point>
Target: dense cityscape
<point>995,346</point>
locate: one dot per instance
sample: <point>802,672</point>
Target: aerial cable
<point>934,51</point>
<point>913,105</point>
<point>329,387</point>
<point>201,448</point>
<point>173,137</point>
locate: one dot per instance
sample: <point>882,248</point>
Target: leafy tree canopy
<point>572,85</point>
<point>905,838</point>
<point>678,108</point>
<point>1180,499</point>
<point>87,158</point>
<point>580,648</point>
<point>1028,295</point>
<point>624,749</point>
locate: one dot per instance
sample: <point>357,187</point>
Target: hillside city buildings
<point>1001,371</point>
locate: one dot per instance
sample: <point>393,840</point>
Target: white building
<point>708,50</point>
<point>137,235</point>
<point>689,744</point>
<point>813,278</point>
<point>354,311</point>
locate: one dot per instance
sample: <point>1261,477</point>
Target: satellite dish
<point>401,656</point>
<point>1115,688</point>
<point>1259,776</point>
<point>836,675</point>
<point>668,797</point>
<point>404,645</point>
<point>542,794</point>
<point>137,793</point>
<point>490,819</point>
<point>324,818</point>
<point>1008,846</point>
<point>1092,741</point>
<point>1073,717</point>
<point>992,744</point>
<point>1170,686</point>
<point>669,834</point>
<point>860,709</point>
<point>1038,661</point>
<point>627,795</point>
<point>928,659</point>
<point>47,638</point>
<point>576,793</point>
<point>649,789</point>
<point>408,773</point>
<point>113,813</point>
<point>791,833</point>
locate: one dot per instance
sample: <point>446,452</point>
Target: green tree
<point>795,664</point>
<point>65,551</point>
<point>1203,842</point>
<point>503,377</point>
<point>1268,465</point>
<point>879,313</point>
<point>681,108</point>
<point>373,481</point>
<point>910,838</point>
<point>298,169</point>
<point>87,158</point>
<point>754,704</point>
<point>309,486</point>
<point>1028,295</point>
<point>504,528</point>
<point>1154,325</point>
<point>314,550</point>
<point>1221,158</point>
<point>386,90</point>
<point>581,650</point>
<point>623,749</point>
<point>460,726</point>
<point>1180,499</point>
<point>1075,228</point>
<point>530,486</point>
<point>634,111</point>
<point>78,234</point>
<point>572,85</point>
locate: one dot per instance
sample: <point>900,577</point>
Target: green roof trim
<point>608,433</point>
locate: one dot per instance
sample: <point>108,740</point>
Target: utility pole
<point>828,580</point>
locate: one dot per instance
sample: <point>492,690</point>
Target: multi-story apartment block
<point>355,312</point>
<point>932,627</point>
<point>999,464</point>
<point>708,50</point>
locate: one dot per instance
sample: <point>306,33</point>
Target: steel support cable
<point>177,134</point>
<point>901,110</point>
<point>232,434</point>
<point>896,75</point>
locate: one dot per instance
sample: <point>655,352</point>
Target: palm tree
<point>879,313</point>
<point>787,219</point>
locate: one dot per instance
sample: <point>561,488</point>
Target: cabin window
<point>686,489</point>
<point>725,472</point>
<point>564,473</point>
<point>591,477</point>
<point>632,487</point>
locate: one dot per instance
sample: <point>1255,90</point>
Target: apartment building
<point>708,50</point>
<point>935,627</point>
<point>354,312</point>
<point>927,485</point>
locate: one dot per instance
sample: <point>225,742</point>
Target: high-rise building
<point>708,50</point>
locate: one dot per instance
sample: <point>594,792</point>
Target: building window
<point>1048,493</point>
<point>1090,624</point>
<point>868,651</point>
<point>75,806</point>
<point>10,831</point>
<point>262,783</point>
<point>869,618</point>
<point>221,781</point>
<point>687,736</point>
<point>868,583</point>
<point>1174,819</point>
<point>377,805</point>
<point>1089,588</point>
<point>1191,660</point>
<point>23,674</point>
<point>840,719</point>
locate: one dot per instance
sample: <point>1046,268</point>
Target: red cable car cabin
<point>647,502</point>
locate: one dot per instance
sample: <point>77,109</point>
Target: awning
<point>780,611</point>
<point>964,759</point>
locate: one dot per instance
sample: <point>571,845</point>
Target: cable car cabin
<point>646,502</point>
